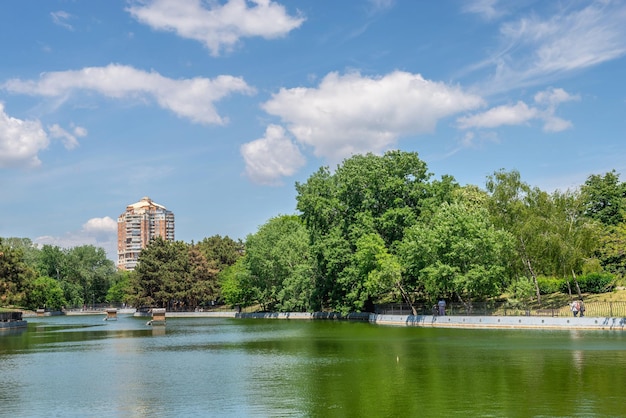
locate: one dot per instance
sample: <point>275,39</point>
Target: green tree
<point>576,237</point>
<point>220,252</point>
<point>367,194</point>
<point>121,288</point>
<point>173,275</point>
<point>520,210</point>
<point>162,274</point>
<point>236,285</point>
<point>88,268</point>
<point>604,198</point>
<point>15,275</point>
<point>458,253</point>
<point>45,292</point>
<point>612,249</point>
<point>52,262</point>
<point>279,261</point>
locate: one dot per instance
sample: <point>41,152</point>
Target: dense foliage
<point>51,277</point>
<point>376,229</point>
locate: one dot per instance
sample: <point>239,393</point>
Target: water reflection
<point>233,367</point>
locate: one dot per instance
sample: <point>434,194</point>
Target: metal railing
<point>592,309</point>
<point>10,316</point>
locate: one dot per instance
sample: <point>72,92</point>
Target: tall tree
<point>604,198</point>
<point>516,207</point>
<point>15,275</point>
<point>280,265</point>
<point>367,194</point>
<point>88,268</point>
<point>576,236</point>
<point>458,253</point>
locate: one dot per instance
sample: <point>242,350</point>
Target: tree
<point>220,252</point>
<point>518,208</point>
<point>367,194</point>
<point>52,262</point>
<point>604,198</point>
<point>612,250</point>
<point>279,261</point>
<point>15,275</point>
<point>576,237</point>
<point>236,286</point>
<point>173,275</point>
<point>121,288</point>
<point>457,253</point>
<point>45,292</point>
<point>88,268</point>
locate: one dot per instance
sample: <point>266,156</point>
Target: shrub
<point>591,283</point>
<point>548,285</point>
<point>596,283</point>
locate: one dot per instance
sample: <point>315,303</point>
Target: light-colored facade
<point>141,222</point>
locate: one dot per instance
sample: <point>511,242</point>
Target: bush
<point>548,285</point>
<point>596,283</point>
<point>591,283</point>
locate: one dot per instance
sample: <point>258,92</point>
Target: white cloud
<point>485,8</point>
<point>61,18</point>
<point>20,141</point>
<point>521,113</point>
<point>537,49</point>
<point>380,5</point>
<point>189,98</point>
<point>271,157</point>
<point>553,97</point>
<point>556,124</point>
<point>70,140</point>
<point>501,115</point>
<point>350,114</point>
<point>219,26</point>
<point>100,225</point>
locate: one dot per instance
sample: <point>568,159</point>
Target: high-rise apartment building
<point>141,222</point>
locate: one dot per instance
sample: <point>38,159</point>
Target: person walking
<point>442,307</point>
<point>575,306</point>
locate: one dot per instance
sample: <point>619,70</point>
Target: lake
<point>82,366</point>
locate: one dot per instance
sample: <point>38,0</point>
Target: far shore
<point>431,321</point>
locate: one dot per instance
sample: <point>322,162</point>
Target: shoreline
<point>424,321</point>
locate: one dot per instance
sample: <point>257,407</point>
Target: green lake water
<point>82,366</point>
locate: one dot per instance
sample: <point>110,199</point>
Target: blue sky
<point>215,109</point>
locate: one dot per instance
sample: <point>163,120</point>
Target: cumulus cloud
<point>192,98</point>
<point>100,225</point>
<point>271,157</point>
<point>70,139</point>
<point>537,49</point>
<point>20,141</point>
<point>350,114</point>
<point>501,115</point>
<point>218,26</point>
<point>521,113</point>
<point>553,97</point>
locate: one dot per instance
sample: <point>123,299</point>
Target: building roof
<point>145,202</point>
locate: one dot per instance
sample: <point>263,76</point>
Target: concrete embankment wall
<point>13,324</point>
<point>514,322</point>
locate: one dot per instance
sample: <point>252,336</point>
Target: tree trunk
<point>577,286</point>
<point>406,298</point>
<point>526,261</point>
